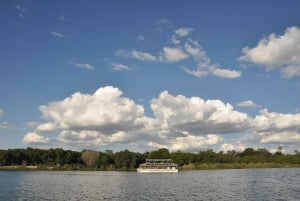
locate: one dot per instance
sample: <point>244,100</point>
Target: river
<point>243,184</point>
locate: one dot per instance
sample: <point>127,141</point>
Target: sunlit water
<point>247,184</point>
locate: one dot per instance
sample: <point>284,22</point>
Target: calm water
<point>247,184</point>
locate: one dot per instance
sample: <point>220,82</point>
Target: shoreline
<point>205,166</point>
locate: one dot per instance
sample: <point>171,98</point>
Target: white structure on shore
<point>158,166</point>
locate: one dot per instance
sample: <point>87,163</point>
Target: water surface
<point>245,184</point>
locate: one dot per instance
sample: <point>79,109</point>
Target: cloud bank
<point>107,118</point>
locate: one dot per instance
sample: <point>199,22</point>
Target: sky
<point>143,75</point>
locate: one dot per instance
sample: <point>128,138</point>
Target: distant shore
<point>32,159</point>
<point>205,166</point>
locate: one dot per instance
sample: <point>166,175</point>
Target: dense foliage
<point>126,160</point>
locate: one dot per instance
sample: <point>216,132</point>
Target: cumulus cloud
<point>172,55</point>
<point>105,110</point>
<point>84,138</point>
<point>226,73</point>
<point>230,147</point>
<point>35,138</point>
<point>196,115</point>
<point>90,120</point>
<point>107,118</point>
<point>276,128</point>
<point>248,103</point>
<point>179,33</point>
<point>192,142</point>
<point>58,34</point>
<point>184,31</point>
<point>276,122</point>
<point>276,52</point>
<point>283,137</point>
<point>119,67</point>
<point>46,127</point>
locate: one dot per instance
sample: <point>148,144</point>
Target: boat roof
<point>168,160</point>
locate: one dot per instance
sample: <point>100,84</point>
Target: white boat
<point>158,166</point>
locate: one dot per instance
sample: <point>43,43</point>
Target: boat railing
<point>158,163</point>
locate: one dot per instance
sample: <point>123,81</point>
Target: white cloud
<point>62,18</point>
<point>197,73</point>
<point>102,118</point>
<point>5,125</point>
<point>195,50</point>
<point>140,38</point>
<point>20,8</point>
<point>226,73</point>
<point>33,124</point>
<point>196,115</point>
<point>164,21</point>
<point>107,118</point>
<point>283,137</point>
<point>175,40</point>
<point>248,103</point>
<point>172,55</point>
<point>291,71</point>
<point>180,52</point>
<point>181,32</point>
<point>85,138</point>
<point>276,122</point>
<point>46,127</point>
<point>194,142</point>
<point>21,11</point>
<point>35,138</point>
<point>21,16</point>
<point>58,34</point>
<point>105,110</point>
<point>204,65</point>
<point>83,65</point>
<point>276,128</point>
<point>119,67</point>
<point>277,52</point>
<point>143,56</point>
<point>229,147</point>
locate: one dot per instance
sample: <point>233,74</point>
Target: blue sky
<point>142,75</point>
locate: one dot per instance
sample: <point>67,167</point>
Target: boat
<point>158,166</point>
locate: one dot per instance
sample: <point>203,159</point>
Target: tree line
<point>127,160</point>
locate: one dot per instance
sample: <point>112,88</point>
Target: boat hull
<point>142,170</point>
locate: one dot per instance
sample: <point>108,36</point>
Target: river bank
<point>204,166</point>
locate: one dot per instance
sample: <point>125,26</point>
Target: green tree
<point>162,153</point>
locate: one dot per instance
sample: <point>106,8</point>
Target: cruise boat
<point>158,166</point>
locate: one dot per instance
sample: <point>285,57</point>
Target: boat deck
<point>158,165</point>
